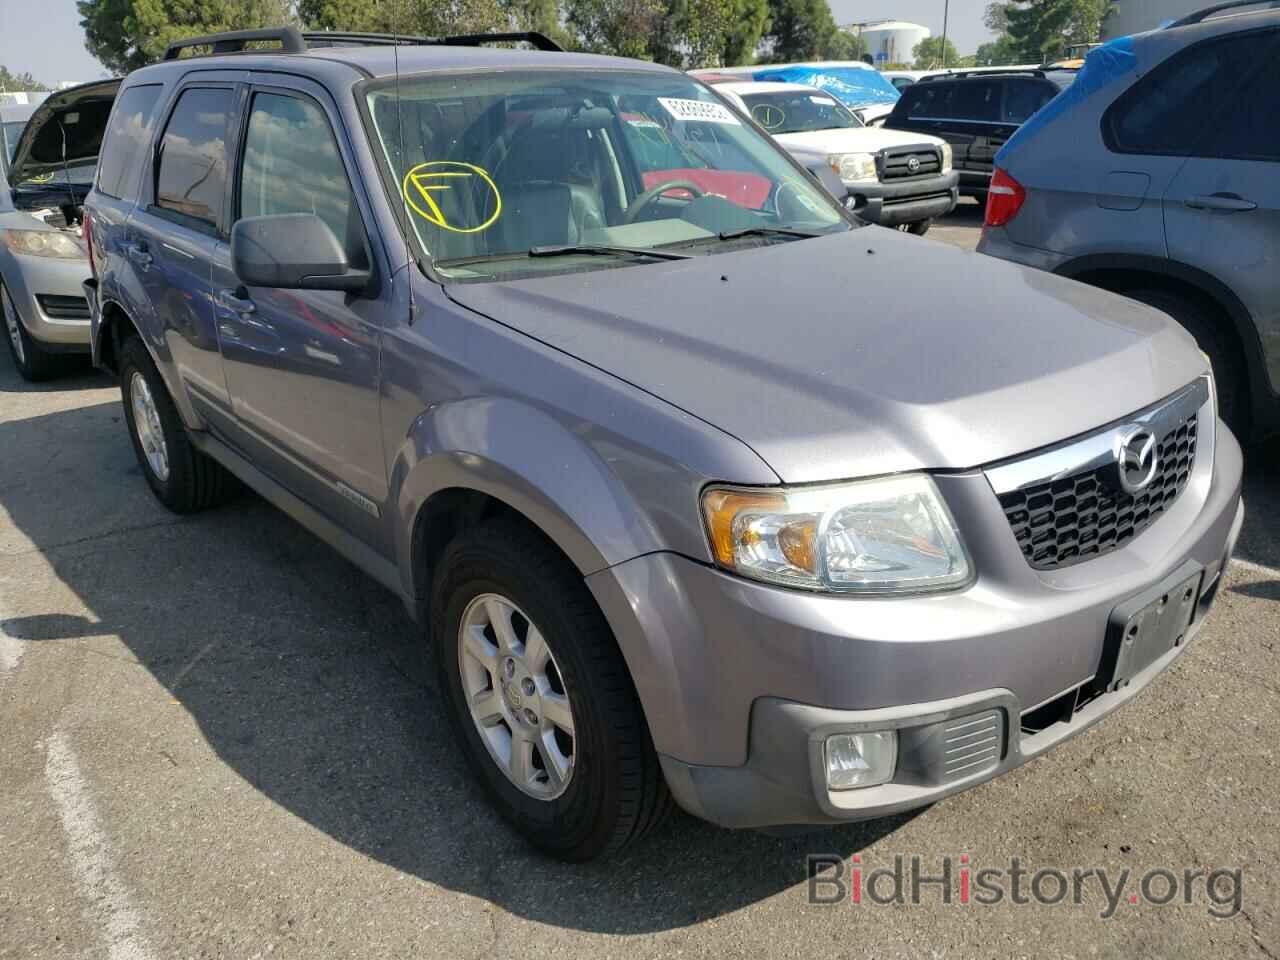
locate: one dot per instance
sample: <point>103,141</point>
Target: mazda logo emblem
<point>913,164</point>
<point>1136,460</point>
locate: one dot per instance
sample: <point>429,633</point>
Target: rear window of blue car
<point>128,133</point>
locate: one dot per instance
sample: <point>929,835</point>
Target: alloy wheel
<point>516,696</point>
<point>146,421</point>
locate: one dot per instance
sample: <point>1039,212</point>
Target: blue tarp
<point>852,86</point>
<point>1103,65</point>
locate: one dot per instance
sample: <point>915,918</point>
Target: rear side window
<point>127,137</point>
<point>1178,106</point>
<point>292,165</point>
<point>192,173</point>
<point>1250,130</point>
<point>1022,98</point>
<point>975,100</point>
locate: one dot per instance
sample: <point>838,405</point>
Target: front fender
<point>530,461</point>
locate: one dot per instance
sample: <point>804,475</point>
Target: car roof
<point>384,61</point>
<point>768,86</point>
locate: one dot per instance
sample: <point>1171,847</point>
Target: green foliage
<point>1040,30</point>
<point>999,53</point>
<point>799,30</point>
<point>932,52</point>
<point>126,34</point>
<point>17,82</point>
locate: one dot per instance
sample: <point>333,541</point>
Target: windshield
<point>798,111</point>
<point>9,133</point>
<point>495,165</point>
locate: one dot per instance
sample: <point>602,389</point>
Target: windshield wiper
<point>564,250</point>
<point>766,232</point>
<point>602,249</point>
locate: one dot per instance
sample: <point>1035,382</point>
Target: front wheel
<point>919,228</point>
<point>540,697</point>
<point>33,362</point>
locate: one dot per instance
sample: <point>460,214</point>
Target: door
<point>172,235</point>
<point>302,365</point>
<point>1222,210</point>
<point>975,106</point>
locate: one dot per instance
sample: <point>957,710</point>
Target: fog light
<point>861,759</point>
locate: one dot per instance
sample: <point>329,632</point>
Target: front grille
<point>1084,515</point>
<point>63,308</point>
<point>896,164</point>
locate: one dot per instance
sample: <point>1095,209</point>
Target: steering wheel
<point>637,205</point>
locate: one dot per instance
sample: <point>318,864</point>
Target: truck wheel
<point>182,478</point>
<point>34,364</point>
<point>539,696</point>
<point>919,228</point>
<point>1229,375</point>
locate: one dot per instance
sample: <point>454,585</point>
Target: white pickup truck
<point>895,179</point>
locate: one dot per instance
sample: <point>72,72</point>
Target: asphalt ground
<point>218,739</point>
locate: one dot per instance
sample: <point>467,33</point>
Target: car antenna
<point>395,56</point>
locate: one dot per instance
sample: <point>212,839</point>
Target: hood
<point>63,136</point>
<point>854,139</point>
<point>861,353</point>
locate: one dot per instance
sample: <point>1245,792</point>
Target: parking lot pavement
<point>219,741</point>
<point>962,226</point>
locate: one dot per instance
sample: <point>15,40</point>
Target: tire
<point>34,363</point>
<point>1229,373</point>
<point>613,792</point>
<point>190,481</point>
<point>919,228</point>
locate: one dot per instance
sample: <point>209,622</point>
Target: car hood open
<point>64,132</point>
<point>860,353</point>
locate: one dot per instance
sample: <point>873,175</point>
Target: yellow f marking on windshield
<point>426,180</point>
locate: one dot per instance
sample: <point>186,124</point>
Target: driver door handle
<point>232,300</point>
<point>1225,202</point>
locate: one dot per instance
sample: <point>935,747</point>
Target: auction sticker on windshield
<point>700,110</point>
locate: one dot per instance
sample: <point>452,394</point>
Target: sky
<point>43,37</point>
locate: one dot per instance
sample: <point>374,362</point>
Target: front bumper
<point>43,290</point>
<point>907,201</point>
<point>742,682</point>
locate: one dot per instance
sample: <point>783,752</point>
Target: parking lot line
<point>108,902</point>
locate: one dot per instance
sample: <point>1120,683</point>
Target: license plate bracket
<point>1146,627</point>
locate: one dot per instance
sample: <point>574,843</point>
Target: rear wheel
<point>33,362</point>
<point>1229,374</point>
<point>540,697</point>
<point>182,478</point>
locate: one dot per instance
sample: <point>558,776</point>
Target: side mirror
<point>830,182</point>
<point>292,251</point>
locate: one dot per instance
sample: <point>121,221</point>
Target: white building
<point>889,41</point>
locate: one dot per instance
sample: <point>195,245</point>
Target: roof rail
<point>289,38</point>
<point>1201,15</point>
<point>292,40</point>
<point>980,73</point>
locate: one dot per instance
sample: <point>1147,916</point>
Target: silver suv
<point>691,501</point>
<point>1172,192</point>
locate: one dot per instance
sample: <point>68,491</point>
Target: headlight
<point>853,166</point>
<point>946,156</point>
<point>874,536</point>
<point>44,243</point>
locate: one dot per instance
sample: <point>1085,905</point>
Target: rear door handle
<point>232,300</point>
<point>138,253</point>
<point>1225,202</point>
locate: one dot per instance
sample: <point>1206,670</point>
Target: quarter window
<point>192,175</point>
<point>1174,110</point>
<point>127,136</point>
<point>292,165</point>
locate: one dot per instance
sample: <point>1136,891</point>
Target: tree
<point>934,52</point>
<point>999,53</point>
<point>626,28</point>
<point>750,19</point>
<point>16,82</point>
<point>127,34</point>
<point>799,30</point>
<point>1041,30</point>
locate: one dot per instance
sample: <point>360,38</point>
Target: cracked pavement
<point>219,740</point>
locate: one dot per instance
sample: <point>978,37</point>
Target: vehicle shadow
<point>309,681</point>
